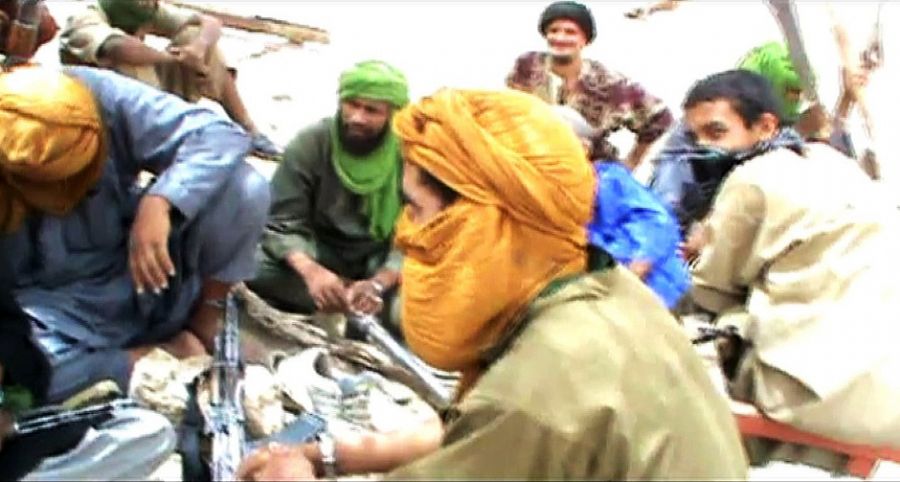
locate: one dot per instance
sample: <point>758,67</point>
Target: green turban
<point>129,15</point>
<point>773,61</point>
<point>375,80</point>
<point>374,176</point>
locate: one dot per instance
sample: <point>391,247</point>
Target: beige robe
<point>85,34</point>
<point>602,384</point>
<point>807,247</point>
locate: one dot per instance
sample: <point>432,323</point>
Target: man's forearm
<point>387,278</point>
<point>123,49</point>
<point>210,31</point>
<point>637,154</point>
<point>844,104</point>
<point>371,452</point>
<point>301,263</point>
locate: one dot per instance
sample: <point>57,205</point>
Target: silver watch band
<point>378,287</point>
<point>328,449</point>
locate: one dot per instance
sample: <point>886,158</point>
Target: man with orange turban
<point>566,374</point>
<point>107,269</point>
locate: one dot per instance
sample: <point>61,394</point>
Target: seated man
<point>632,224</point>
<point>687,180</point>
<point>804,272</point>
<point>111,33</point>
<point>566,375</point>
<point>107,271</point>
<point>133,442</point>
<point>608,100</point>
<point>327,245</point>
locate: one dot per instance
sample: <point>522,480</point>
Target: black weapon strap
<point>190,434</point>
<point>23,453</point>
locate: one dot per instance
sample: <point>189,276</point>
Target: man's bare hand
<point>148,249</point>
<point>693,243</point>
<point>326,289</point>
<point>192,56</point>
<point>853,81</point>
<point>364,297</point>
<point>277,462</point>
<point>640,268</point>
<point>814,123</point>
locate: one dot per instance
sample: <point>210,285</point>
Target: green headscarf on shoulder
<point>129,15</point>
<point>375,175</point>
<point>773,61</point>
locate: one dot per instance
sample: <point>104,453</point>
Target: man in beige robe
<point>586,377</point>
<point>110,34</point>
<point>801,258</point>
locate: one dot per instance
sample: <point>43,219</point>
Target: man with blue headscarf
<point>327,247</point>
<point>800,272</point>
<point>686,180</point>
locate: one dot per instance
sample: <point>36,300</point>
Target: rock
<point>159,382</point>
<point>262,402</point>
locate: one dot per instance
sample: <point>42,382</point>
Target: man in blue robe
<point>631,224</point>
<point>107,270</point>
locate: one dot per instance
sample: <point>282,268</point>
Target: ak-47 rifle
<point>225,422</point>
<point>435,393</point>
<point>709,333</point>
<point>53,417</point>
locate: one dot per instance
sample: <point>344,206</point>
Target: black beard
<point>562,60</point>
<point>361,147</point>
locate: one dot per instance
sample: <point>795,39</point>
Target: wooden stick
<point>785,13</point>
<point>295,33</point>
<point>870,162</point>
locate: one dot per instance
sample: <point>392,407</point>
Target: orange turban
<point>51,150</point>
<point>526,195</point>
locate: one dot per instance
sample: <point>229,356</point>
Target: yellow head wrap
<point>51,149</point>
<point>526,195</point>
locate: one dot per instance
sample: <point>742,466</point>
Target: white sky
<point>473,44</point>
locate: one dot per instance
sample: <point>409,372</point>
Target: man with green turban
<point>110,34</point>
<point>773,61</point>
<point>336,196</point>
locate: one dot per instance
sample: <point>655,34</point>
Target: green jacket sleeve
<point>294,185</point>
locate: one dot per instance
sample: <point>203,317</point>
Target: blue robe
<point>631,223</point>
<point>72,275</point>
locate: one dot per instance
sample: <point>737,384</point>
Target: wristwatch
<point>328,449</point>
<point>378,286</point>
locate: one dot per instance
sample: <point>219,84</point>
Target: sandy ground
<point>472,44</point>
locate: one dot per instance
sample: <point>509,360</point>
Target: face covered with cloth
<point>525,195</point>
<point>51,151</point>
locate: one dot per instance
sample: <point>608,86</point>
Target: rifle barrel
<point>380,337</point>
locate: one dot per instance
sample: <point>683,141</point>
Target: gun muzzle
<point>435,393</point>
